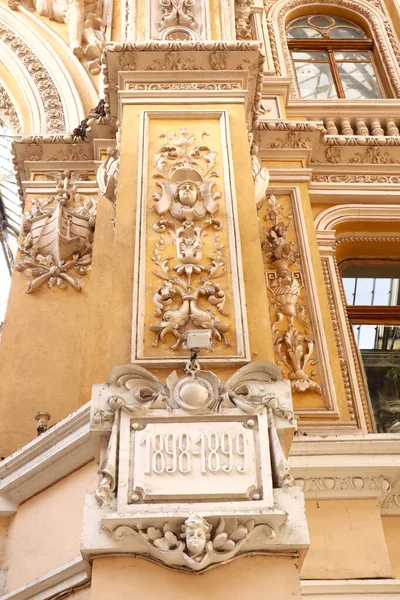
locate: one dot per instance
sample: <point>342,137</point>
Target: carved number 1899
<point>170,453</point>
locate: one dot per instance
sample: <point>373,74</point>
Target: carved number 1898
<point>170,453</point>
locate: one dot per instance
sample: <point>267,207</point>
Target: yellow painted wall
<point>46,531</point>
<point>252,577</point>
<point>391,528</point>
<point>347,541</point>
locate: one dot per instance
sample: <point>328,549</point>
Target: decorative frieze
<point>292,336</point>
<point>57,238</point>
<point>188,262</point>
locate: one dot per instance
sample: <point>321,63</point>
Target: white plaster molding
<point>72,103</point>
<point>64,448</point>
<point>290,175</point>
<point>332,217</point>
<point>72,574</point>
<point>72,106</point>
<point>349,467</point>
<point>370,589</point>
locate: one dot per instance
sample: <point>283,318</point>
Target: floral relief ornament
<point>57,237</point>
<point>186,205</point>
<point>294,349</point>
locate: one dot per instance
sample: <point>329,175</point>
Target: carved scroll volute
<point>292,335</point>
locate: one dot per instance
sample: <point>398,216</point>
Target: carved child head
<point>196,531</point>
<point>187,193</point>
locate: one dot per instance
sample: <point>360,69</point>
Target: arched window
<point>333,58</point>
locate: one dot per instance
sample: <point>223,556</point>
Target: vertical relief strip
<point>298,335</point>
<point>178,20</point>
<point>188,262</point>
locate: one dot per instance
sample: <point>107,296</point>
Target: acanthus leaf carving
<point>293,342</point>
<point>58,235</point>
<point>178,19</point>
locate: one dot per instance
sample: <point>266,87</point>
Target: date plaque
<point>203,461</point>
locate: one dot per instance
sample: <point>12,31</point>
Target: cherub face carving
<point>196,532</point>
<point>187,193</point>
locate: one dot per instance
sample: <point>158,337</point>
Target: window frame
<point>330,46</point>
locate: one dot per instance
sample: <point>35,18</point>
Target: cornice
<point>349,588</point>
<point>73,574</point>
<point>331,467</point>
<point>191,61</point>
<point>64,448</point>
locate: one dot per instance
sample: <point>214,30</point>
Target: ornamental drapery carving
<point>191,293</point>
<point>57,238</point>
<point>292,336</point>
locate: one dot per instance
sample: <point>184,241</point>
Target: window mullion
<point>335,74</point>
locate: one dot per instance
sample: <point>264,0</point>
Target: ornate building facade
<point>200,357</point>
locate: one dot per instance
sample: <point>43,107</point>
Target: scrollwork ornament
<point>186,205</point>
<point>293,342</point>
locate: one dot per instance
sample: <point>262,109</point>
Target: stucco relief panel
<point>293,340</point>
<point>188,253</point>
<point>298,335</point>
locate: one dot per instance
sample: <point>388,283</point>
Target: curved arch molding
<point>46,87</point>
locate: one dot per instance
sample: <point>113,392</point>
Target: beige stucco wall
<point>391,528</point>
<point>46,531</point>
<point>251,577</point>
<point>347,541</point>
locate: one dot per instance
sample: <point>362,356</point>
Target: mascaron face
<point>187,194</point>
<point>196,540</point>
